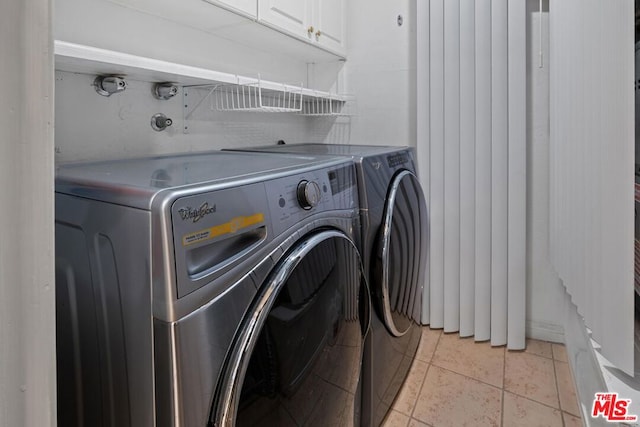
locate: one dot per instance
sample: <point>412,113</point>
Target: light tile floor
<point>458,382</point>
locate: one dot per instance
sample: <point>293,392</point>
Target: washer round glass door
<point>297,357</point>
<point>401,255</point>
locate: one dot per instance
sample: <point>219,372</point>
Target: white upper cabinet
<point>308,30</point>
<point>329,22</point>
<point>248,8</point>
<point>291,16</point>
<point>319,22</point>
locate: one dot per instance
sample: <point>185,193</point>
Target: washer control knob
<point>308,194</point>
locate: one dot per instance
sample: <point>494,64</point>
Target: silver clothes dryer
<point>394,240</point>
<point>210,289</point>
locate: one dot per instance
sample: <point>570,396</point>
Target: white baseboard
<point>545,331</point>
<point>586,371</point>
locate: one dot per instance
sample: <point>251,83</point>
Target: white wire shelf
<point>259,96</point>
<point>252,97</point>
<point>329,106</point>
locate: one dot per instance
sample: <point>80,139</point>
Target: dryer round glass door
<point>297,357</point>
<point>401,254</point>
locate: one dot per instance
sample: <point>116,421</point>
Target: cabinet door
<point>243,7</point>
<point>291,16</point>
<point>329,20</point>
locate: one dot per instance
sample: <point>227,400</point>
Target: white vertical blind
<point>422,105</point>
<point>436,161</point>
<point>499,170</point>
<point>473,140</point>
<point>592,155</point>
<point>483,171</point>
<point>467,167</point>
<point>517,183</point>
<point>452,165</point>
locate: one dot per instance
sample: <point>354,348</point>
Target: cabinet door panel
<point>329,18</point>
<point>244,7</point>
<point>289,15</point>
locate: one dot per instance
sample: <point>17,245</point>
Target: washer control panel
<point>295,197</point>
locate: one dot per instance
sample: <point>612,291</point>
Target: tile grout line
<point>555,377</point>
<point>424,379</point>
<point>540,355</point>
<point>536,401</point>
<point>462,375</point>
<point>469,377</point>
<point>504,373</point>
<point>573,385</point>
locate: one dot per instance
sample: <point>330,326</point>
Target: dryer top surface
<point>355,151</point>
<point>136,182</point>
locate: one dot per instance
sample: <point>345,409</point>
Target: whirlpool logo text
<point>195,215</point>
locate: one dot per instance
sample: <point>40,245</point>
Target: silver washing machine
<point>394,248</point>
<point>211,289</point>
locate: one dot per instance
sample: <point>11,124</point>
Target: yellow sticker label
<point>237,223</point>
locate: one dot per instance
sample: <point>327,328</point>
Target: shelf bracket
<point>192,99</point>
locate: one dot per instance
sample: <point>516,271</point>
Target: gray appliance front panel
<point>335,195</point>
<point>374,175</point>
<point>375,168</point>
<point>103,278</point>
<point>214,231</point>
<point>375,165</point>
<point>193,347</point>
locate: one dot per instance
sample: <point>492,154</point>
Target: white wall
<point>27,302</point>
<point>93,127</point>
<point>380,71</point>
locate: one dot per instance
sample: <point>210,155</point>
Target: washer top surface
<point>137,182</point>
<point>356,151</point>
